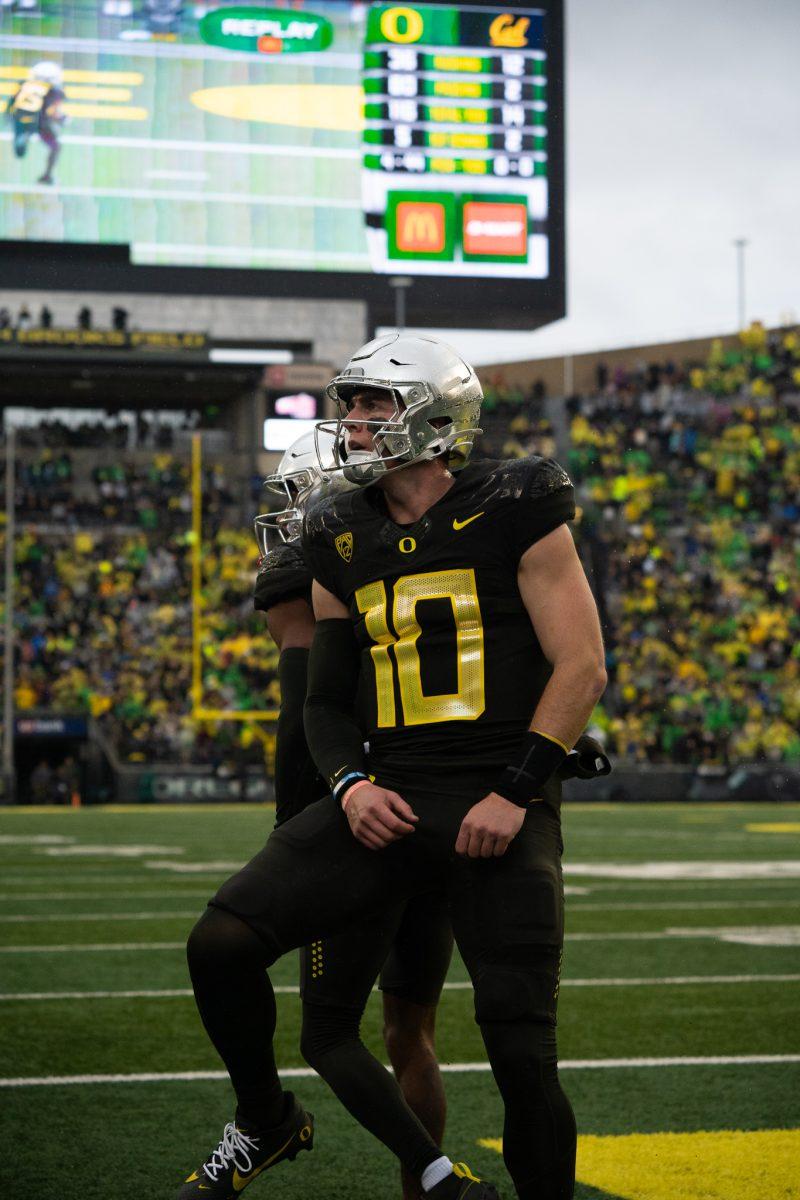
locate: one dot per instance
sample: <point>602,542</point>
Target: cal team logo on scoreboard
<point>495,230</point>
<point>344,544</point>
<point>506,31</point>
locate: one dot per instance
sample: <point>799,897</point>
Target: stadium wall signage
<point>103,339</point>
<point>266,30</point>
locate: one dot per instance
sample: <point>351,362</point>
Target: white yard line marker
<point>115,916</point>
<point>453,986</point>
<point>41,839</point>
<point>92,948</point>
<point>691,905</point>
<point>121,850</point>
<point>162,894</point>
<point>765,935</point>
<point>716,869</point>
<point>574,1064</point>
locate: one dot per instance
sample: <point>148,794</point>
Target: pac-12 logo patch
<point>344,544</point>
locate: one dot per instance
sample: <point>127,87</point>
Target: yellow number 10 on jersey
<point>418,709</point>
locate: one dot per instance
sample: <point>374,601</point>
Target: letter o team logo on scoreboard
<point>495,230</point>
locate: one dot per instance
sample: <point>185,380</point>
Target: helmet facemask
<point>305,466</point>
<point>284,526</point>
<point>421,426</point>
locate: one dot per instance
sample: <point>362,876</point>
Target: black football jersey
<point>452,669</point>
<point>282,575</point>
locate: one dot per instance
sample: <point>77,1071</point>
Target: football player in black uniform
<point>453,610</point>
<point>36,107</point>
<point>334,983</point>
<point>481,659</point>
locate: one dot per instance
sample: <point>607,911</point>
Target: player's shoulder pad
<point>326,514</point>
<point>282,575</point>
<point>533,477</point>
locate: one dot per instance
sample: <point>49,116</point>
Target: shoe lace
<point>234,1148</point>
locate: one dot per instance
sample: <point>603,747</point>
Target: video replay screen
<point>313,136</point>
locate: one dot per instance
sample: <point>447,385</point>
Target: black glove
<point>587,760</point>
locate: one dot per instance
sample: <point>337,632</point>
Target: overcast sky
<point>683,133</point>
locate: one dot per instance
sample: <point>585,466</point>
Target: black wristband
<point>524,780</point>
<point>339,786</point>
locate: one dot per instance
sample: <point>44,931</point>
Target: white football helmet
<point>305,466</point>
<point>48,72</point>
<point>437,403</point>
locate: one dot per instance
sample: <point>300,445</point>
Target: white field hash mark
<point>574,1064</point>
<point>133,915</point>
<point>751,935</point>
<point>453,986</point>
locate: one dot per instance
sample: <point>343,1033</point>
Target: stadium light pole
<point>741,245</point>
<point>8,643</point>
<point>401,284</point>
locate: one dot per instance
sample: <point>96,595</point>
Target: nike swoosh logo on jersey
<point>460,524</point>
<point>241,1181</point>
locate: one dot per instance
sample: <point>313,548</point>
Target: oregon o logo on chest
<point>407,545</point>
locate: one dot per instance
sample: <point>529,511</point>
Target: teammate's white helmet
<point>304,466</point>
<point>437,403</point>
<point>48,72</point>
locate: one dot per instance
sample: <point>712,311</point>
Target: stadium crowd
<point>688,482</point>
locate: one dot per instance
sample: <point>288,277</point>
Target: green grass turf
<point>136,1140</point>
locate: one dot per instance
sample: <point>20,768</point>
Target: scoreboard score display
<point>455,141</point>
<point>318,148</point>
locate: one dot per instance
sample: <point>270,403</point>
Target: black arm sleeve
<point>297,783</point>
<point>332,731</point>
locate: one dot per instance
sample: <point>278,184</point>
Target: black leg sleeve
<point>332,1046</point>
<point>539,1133</point>
<point>228,962</point>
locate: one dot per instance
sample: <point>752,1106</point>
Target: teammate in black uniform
<point>457,608</point>
<point>334,984</point>
<point>36,107</point>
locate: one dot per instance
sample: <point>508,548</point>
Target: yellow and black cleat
<point>244,1153</point>
<point>462,1185</point>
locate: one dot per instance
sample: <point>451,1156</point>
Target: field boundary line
<point>451,986</point>
<point>575,1064</point>
<point>168,914</point>
<point>98,947</point>
<point>172,914</point>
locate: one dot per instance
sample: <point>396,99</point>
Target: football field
<point>679,1014</point>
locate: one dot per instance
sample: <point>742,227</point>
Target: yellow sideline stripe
<point>776,827</point>
<point>720,1165</point>
<point>131,78</point>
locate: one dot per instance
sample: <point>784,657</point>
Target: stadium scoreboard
<point>319,149</point>
<point>455,140</point>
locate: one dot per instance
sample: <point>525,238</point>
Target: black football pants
<point>313,880</point>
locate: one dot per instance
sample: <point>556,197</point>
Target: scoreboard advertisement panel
<point>318,147</point>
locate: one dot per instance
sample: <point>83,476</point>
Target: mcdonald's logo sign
<point>421,224</point>
<point>420,227</point>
